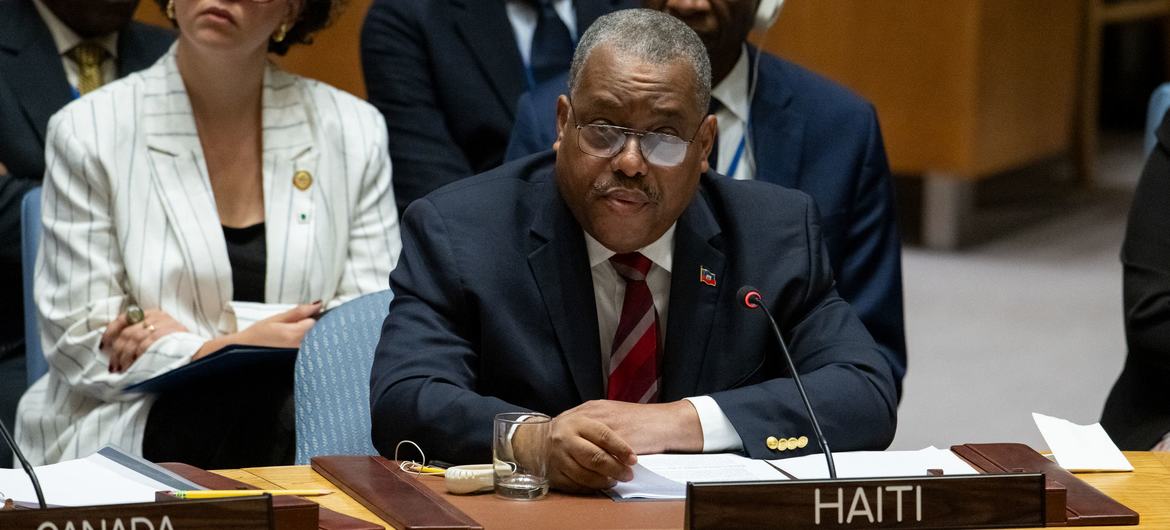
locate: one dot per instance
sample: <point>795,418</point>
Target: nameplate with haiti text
<point>1012,500</point>
<point>244,513</point>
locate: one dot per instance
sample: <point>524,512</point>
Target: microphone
<point>751,299</point>
<point>24,463</point>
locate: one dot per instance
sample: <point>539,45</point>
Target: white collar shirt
<point>609,291</point>
<point>523,18</point>
<point>734,111</point>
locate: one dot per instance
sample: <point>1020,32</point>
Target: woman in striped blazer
<point>210,177</point>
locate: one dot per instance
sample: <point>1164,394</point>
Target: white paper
<point>248,313</point>
<point>666,476</point>
<point>867,464</point>
<point>1080,447</point>
<point>92,480</point>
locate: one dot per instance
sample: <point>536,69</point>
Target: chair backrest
<point>332,379</point>
<point>30,244</point>
<point>1159,103</point>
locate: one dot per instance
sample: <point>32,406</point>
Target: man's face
<point>722,24</point>
<point>624,201</point>
<point>93,18</point>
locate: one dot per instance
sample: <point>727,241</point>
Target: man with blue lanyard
<point>446,74</point>
<point>783,124</point>
<point>51,52</point>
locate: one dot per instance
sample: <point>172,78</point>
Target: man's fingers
<point>608,441</point>
<point>581,474</point>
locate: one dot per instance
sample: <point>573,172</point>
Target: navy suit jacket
<point>494,311</point>
<point>813,135</point>
<point>446,74</point>
<point>33,86</point>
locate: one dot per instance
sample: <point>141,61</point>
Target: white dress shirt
<point>65,39</point>
<point>609,290</point>
<point>523,18</point>
<point>733,113</point>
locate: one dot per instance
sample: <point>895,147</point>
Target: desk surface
<point>1147,491</point>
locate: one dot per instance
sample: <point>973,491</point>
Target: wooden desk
<point>1147,490</point>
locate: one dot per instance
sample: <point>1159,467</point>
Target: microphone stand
<point>24,463</point>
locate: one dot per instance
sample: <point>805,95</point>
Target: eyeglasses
<point>605,141</point>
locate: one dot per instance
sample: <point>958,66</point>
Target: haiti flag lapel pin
<point>706,276</point>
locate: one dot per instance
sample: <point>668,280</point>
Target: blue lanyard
<point>738,155</point>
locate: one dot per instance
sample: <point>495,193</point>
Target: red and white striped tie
<point>633,363</point>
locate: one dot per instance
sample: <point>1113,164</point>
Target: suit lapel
<point>180,182</point>
<point>35,73</point>
<point>560,266</point>
<point>290,212</point>
<point>777,131</point>
<point>485,28</point>
<point>694,305</point>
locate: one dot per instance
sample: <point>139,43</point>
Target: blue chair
<point>332,379</point>
<point>30,244</point>
<point>1159,103</point>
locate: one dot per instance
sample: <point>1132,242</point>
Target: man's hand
<point>649,428</point>
<point>593,445</point>
<point>584,455</point>
<point>3,169</point>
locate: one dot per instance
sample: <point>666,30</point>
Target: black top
<point>1137,413</point>
<point>246,252</point>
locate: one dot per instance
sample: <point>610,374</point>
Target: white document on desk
<point>93,480</point>
<point>665,476</point>
<point>1080,448</point>
<point>868,464</point>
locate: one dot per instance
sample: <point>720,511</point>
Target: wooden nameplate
<point>963,501</point>
<point>243,513</point>
<point>391,493</point>
<point>289,512</point>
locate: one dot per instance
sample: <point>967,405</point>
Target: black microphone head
<point>749,296</point>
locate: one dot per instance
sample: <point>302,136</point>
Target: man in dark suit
<point>33,85</point>
<point>446,75</point>
<point>807,133</point>
<point>1137,414</point>
<point>600,288</point>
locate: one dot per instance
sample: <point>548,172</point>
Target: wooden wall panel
<point>962,87</point>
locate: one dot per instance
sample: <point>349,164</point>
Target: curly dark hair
<point>315,15</point>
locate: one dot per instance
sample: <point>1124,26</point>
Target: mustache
<point>638,187</point>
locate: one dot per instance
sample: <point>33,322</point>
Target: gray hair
<point>650,36</point>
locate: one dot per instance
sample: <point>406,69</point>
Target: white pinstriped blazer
<point>129,214</point>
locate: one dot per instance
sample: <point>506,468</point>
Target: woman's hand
<point>124,342</point>
<point>283,330</point>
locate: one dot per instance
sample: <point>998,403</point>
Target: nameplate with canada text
<point>1013,500</point>
<point>243,513</point>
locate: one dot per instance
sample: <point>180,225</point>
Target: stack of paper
<point>106,477</point>
<point>666,476</point>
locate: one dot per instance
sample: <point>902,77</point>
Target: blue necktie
<point>552,46</point>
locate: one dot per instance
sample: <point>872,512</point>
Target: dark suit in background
<point>813,135</point>
<point>446,74</point>
<point>494,311</point>
<point>1137,413</point>
<point>33,86</point>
